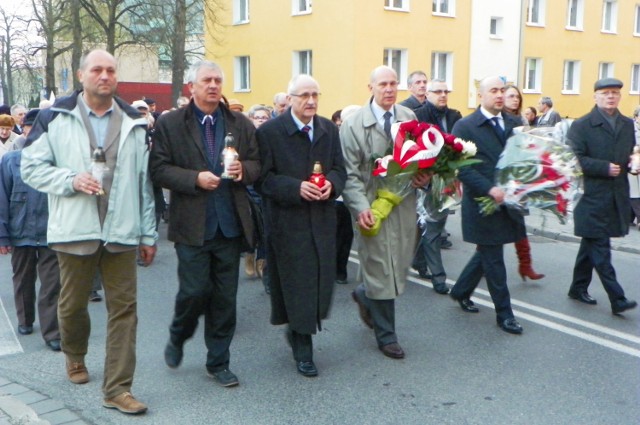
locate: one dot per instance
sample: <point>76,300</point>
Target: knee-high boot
<point>523,249</point>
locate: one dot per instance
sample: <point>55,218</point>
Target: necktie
<point>209,135</point>
<point>306,129</point>
<point>387,124</point>
<point>497,128</point>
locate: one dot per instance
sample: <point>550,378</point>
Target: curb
<point>566,237</point>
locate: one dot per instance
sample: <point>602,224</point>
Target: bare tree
<point>115,18</point>
<point>11,27</point>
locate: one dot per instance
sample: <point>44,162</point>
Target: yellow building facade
<point>555,48</point>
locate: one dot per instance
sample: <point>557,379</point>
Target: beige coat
<point>385,258</point>
<point>8,145</point>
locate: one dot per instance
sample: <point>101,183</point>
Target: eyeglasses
<point>439,92</point>
<point>608,93</point>
<point>261,118</point>
<point>306,96</point>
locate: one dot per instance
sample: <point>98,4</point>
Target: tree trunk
<point>76,50</point>
<point>178,57</point>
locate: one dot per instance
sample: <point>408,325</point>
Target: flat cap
<point>30,117</point>
<point>7,121</point>
<point>604,83</point>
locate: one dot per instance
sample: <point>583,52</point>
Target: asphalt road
<point>574,364</point>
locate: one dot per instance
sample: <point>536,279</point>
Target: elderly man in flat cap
<point>7,136</point>
<point>603,140</point>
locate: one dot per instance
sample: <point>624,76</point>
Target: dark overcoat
<point>504,226</point>
<point>604,208</point>
<point>301,235</point>
<point>178,156</point>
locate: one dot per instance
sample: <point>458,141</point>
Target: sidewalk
<point>21,406</point>
<point>549,226</point>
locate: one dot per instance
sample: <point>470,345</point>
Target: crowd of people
<point>81,196</point>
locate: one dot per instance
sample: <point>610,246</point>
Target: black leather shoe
<point>393,350</point>
<point>365,315</point>
<point>467,305</point>
<point>445,244</point>
<point>54,345</point>
<point>618,306</point>
<point>511,325</point>
<point>583,297</point>
<point>307,369</point>
<point>441,289</point>
<point>172,355</point>
<point>25,330</point>
<point>225,378</point>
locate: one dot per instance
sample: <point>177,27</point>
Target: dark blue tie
<point>387,124</point>
<point>306,129</point>
<point>497,127</point>
<point>209,136</point>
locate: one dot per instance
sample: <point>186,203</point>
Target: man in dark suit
<point>548,116</point>
<point>602,140</point>
<point>489,129</point>
<point>300,215</point>
<point>417,85</point>
<point>209,218</point>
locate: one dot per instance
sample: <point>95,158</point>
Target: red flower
<point>458,147</point>
<point>449,139</point>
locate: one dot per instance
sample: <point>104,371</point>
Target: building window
<point>495,27</point>
<point>242,74</point>
<point>444,7</point>
<point>635,79</point>
<point>609,16</point>
<point>240,11</point>
<point>535,12</point>
<point>605,70</point>
<point>636,26</point>
<point>301,7</point>
<point>571,81</point>
<point>575,14</point>
<point>397,4</point>
<point>302,62</point>
<point>442,67</point>
<point>533,76</point>
<point>397,59</point>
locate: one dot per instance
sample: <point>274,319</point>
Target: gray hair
<point>17,106</point>
<point>83,60</point>
<point>546,100</point>
<point>436,80</point>
<point>412,76</point>
<point>377,70</point>
<point>257,108</point>
<point>295,81</point>
<point>279,97</point>
<point>193,70</point>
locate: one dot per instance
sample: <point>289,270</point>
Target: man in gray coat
<point>384,258</point>
<point>602,140</point>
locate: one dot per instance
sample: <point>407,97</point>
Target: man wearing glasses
<point>602,140</point>
<point>300,215</point>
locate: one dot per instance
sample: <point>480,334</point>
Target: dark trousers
<point>383,314</point>
<point>208,277</point>
<point>488,260</point>
<point>428,253</point>
<point>301,345</point>
<point>344,240</point>
<point>595,253</point>
<point>29,263</point>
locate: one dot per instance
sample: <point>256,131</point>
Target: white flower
<point>468,148</point>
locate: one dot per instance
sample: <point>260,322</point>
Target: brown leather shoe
<point>365,316</point>
<point>126,403</point>
<point>77,372</point>
<point>393,350</point>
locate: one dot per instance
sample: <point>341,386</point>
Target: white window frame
<point>436,7</point>
<point>571,77</point>
<point>497,30</point>
<point>302,62</point>
<point>579,15</point>
<point>606,70</point>
<point>540,6</point>
<point>401,65</point>
<point>301,7</point>
<point>610,16</point>
<point>636,23</point>
<point>238,16</point>
<point>437,58</point>
<point>403,7</point>
<point>242,74</point>
<point>634,87</point>
<point>536,69</point>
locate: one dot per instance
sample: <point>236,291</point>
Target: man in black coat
<point>417,85</point>
<point>602,140</point>
<point>209,219</point>
<point>300,216</point>
<point>489,129</point>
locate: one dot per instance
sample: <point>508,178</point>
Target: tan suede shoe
<point>126,403</point>
<point>77,372</point>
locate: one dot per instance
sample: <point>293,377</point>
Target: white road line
<point>626,337</point>
<point>9,343</point>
